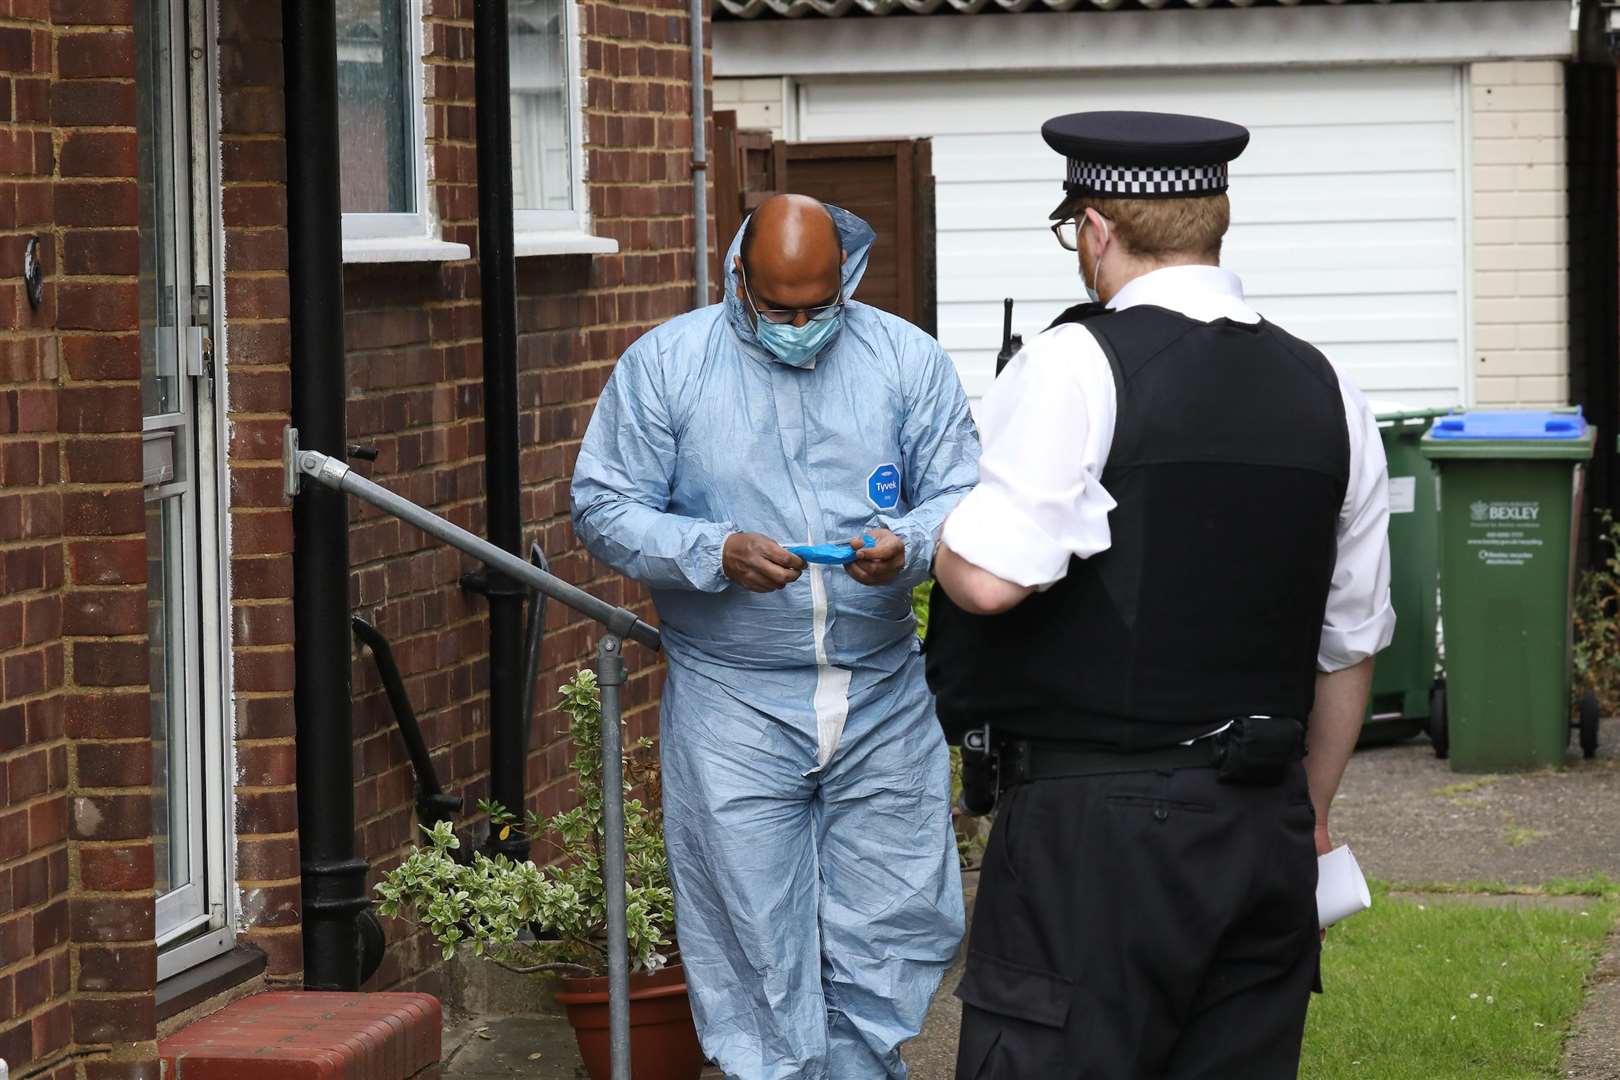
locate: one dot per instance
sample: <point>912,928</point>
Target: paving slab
<point>504,1047</point>
<point>1593,1051</point>
<point>932,1054</point>
<point>1410,818</point>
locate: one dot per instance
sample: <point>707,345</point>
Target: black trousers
<point>1141,926</point>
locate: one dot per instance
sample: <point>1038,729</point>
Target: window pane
<point>165,607</point>
<point>542,157</point>
<point>155,138</point>
<point>374,107</point>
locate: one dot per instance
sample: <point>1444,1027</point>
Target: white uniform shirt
<point>1033,509</point>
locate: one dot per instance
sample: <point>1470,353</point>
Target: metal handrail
<point>620,623</point>
<point>433,805</point>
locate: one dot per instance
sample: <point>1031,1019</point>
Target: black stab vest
<point>1229,464</point>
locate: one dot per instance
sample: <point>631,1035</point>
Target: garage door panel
<point>1249,248</point>
<point>1352,287</point>
<point>1342,200</point>
<point>1358,148</point>
<point>1335,322</point>
<point>993,103</point>
<point>1346,208</point>
<point>1325,244</point>
<point>1032,262</point>
<point>1337,200</point>
<point>1422,365</point>
<point>1283,150</point>
<point>1410,384</point>
<point>1329,331</point>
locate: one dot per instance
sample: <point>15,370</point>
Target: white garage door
<point>1348,206</point>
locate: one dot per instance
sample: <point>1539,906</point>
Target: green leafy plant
<point>487,904</point>
<point>1596,616</point>
<point>919,606</point>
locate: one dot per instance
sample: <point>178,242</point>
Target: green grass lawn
<point>1447,991</point>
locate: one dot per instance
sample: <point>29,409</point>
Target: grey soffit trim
<point>833,9</point>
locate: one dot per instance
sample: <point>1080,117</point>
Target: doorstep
<point>310,1036</point>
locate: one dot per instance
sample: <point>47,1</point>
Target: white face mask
<point>1096,267</point>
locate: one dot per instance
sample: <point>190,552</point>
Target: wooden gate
<point>889,182</point>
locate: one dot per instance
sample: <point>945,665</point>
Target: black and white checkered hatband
<point>1152,182</point>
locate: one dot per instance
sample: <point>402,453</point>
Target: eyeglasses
<point>787,315</point>
<point>1067,232</point>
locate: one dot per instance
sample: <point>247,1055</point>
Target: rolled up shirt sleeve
<point>1360,620</point>
<point>1033,510</point>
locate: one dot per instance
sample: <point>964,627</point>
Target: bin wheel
<point>1590,716</point>
<point>1439,733</point>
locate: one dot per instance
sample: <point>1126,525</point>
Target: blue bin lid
<point>1515,425</point>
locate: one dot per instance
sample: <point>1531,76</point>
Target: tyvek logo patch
<point>883,487</point>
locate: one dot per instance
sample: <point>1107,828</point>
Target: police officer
<point>1162,601</point>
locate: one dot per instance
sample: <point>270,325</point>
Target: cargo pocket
<point>1015,1020</point>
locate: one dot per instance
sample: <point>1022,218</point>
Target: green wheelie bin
<point>1406,696</point>
<point>1509,498</point>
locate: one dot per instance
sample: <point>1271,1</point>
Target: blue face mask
<point>797,346</point>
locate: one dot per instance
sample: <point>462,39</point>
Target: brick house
<point>149,832</point>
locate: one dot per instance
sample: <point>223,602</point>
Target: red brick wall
<point>33,852</point>
<point>76,952</point>
<point>258,390</point>
<point>415,374</point>
<point>76,923</point>
<point>416,393</point>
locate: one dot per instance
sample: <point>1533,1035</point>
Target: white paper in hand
<point>1341,891</point>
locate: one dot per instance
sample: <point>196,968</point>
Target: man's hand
<point>758,563</point>
<point>879,562</point>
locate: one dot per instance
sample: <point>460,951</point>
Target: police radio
<point>1010,342</point>
<point>980,767</point>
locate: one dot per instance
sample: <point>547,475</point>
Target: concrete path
<point>1593,1052</point>
<point>1410,820</point>
<point>505,1047</point>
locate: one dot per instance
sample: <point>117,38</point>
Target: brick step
<point>310,1036</point>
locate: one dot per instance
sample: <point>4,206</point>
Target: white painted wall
<point>1520,234</point>
<point>760,104</point>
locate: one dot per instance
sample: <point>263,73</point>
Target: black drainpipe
<point>334,879</point>
<point>508,727</point>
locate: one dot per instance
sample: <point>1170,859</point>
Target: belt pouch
<point>1257,750</point>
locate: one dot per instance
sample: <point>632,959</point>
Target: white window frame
<point>413,236</point>
<point>214,930</point>
<point>566,232</point>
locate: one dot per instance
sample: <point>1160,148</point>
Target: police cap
<point>1143,155</point>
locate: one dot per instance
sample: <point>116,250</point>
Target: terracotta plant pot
<point>663,1041</point>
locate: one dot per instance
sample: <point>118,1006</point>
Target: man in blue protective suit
<point>806,783</point>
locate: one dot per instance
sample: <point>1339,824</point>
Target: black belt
<point>1024,761</point>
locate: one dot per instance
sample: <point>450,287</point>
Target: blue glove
<point>828,554</point>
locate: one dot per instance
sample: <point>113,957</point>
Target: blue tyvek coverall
<point>806,782</point>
